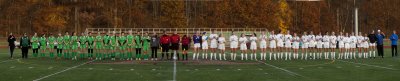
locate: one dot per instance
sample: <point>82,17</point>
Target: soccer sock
<point>251,56</point>
<point>194,56</point>
<point>202,56</point>
<point>197,56</point>
<point>255,56</point>
<point>313,55</point>
<point>302,54</point>
<point>224,56</point>
<point>374,53</point>
<point>274,56</point>
<point>290,56</point>
<point>262,55</point>
<point>281,55</point>
<point>231,56</point>
<point>270,56</point>
<point>234,56</point>
<point>215,56</point>
<point>306,57</point>
<point>206,55</point>
<point>286,55</point>
<point>359,55</point>
<point>220,57</point>
<point>211,56</point>
<point>246,56</point>
<point>241,55</point>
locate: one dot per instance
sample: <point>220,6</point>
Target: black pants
<point>380,50</point>
<point>175,48</point>
<point>12,51</point>
<point>24,52</point>
<point>154,52</point>
<point>59,51</point>
<point>90,52</point>
<point>35,50</point>
<point>165,48</point>
<point>394,50</point>
<point>138,51</point>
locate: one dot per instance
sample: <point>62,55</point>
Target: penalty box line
<point>367,65</point>
<point>276,67</point>
<point>47,76</point>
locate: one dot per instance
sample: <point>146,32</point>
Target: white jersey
<point>333,41</point>
<point>288,41</point>
<point>234,41</point>
<point>221,43</point>
<point>353,42</point>
<point>319,41</point>
<point>279,40</point>
<point>311,41</point>
<point>347,42</point>
<point>253,43</point>
<point>272,41</point>
<point>366,42</point>
<point>305,41</point>
<point>296,42</point>
<point>263,41</point>
<point>325,41</point>
<point>243,41</point>
<point>360,40</point>
<point>213,38</point>
<point>204,43</point>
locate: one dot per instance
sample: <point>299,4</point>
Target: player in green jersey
<point>113,41</point>
<point>122,46</point>
<point>99,46</point>
<point>138,45</point>
<point>74,45</point>
<point>67,45</point>
<point>106,43</point>
<point>35,44</point>
<point>146,44</point>
<point>51,41</point>
<point>82,45</point>
<point>43,44</point>
<point>59,45</point>
<point>90,42</point>
<point>130,45</point>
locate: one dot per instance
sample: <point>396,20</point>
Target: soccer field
<point>46,69</point>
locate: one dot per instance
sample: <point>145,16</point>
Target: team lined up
<point>279,46</point>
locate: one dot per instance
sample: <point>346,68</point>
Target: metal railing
<point>170,30</point>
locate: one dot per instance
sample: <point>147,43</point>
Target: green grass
<point>387,69</point>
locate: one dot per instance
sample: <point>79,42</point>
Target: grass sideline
<point>16,69</point>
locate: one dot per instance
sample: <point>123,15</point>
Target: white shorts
<point>305,45</point>
<point>196,45</point>
<point>320,44</point>
<point>263,44</point>
<point>213,45</point>
<point>243,47</point>
<point>295,45</point>
<point>204,46</point>
<point>221,46</point>
<point>326,44</point>
<point>347,45</point>
<point>272,44</point>
<point>341,45</point>
<point>234,45</point>
<point>333,45</point>
<point>353,45</point>
<point>372,44</point>
<point>366,45</point>
<point>311,44</point>
<point>253,46</point>
<point>288,45</point>
<point>280,44</point>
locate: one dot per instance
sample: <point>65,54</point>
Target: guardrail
<point>169,30</point>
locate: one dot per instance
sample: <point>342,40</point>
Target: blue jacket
<point>380,38</point>
<point>394,39</point>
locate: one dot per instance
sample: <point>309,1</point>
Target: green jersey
<point>82,41</point>
<point>67,41</point>
<point>99,42</point>
<point>74,42</point>
<point>138,42</point>
<point>59,42</point>
<point>90,40</point>
<point>35,42</point>
<point>51,40</point>
<point>122,40</point>
<point>113,41</point>
<point>146,42</point>
<point>106,39</point>
<point>43,42</point>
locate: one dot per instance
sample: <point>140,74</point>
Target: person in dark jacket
<point>175,40</point>
<point>165,41</point>
<point>394,38</point>
<point>185,46</point>
<point>11,44</point>
<point>372,44</point>
<point>380,36</point>
<point>155,43</point>
<point>25,43</point>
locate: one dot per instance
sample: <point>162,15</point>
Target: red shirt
<point>186,40</point>
<point>165,39</point>
<point>175,38</point>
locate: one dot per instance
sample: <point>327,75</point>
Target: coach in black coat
<point>11,40</point>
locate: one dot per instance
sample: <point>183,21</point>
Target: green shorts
<point>42,47</point>
<point>83,46</point>
<point>145,48</point>
<point>51,46</point>
<point>122,47</point>
<point>67,47</point>
<point>74,47</point>
<point>99,46</point>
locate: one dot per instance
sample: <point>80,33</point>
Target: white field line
<point>276,67</point>
<point>47,76</point>
<point>368,65</point>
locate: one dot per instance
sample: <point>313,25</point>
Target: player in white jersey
<point>243,47</point>
<point>234,42</point>
<point>320,44</point>
<point>340,38</point>
<point>221,46</point>
<point>333,43</point>
<point>263,45</point>
<point>253,46</point>
<point>204,46</point>
<point>326,42</point>
<point>347,46</point>
<point>366,45</point>
<point>304,45</point>
<point>213,44</point>
<point>288,45</point>
<point>272,45</point>
<point>353,42</point>
<point>296,45</point>
<point>360,46</point>
<point>279,41</point>
<point>312,44</point>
